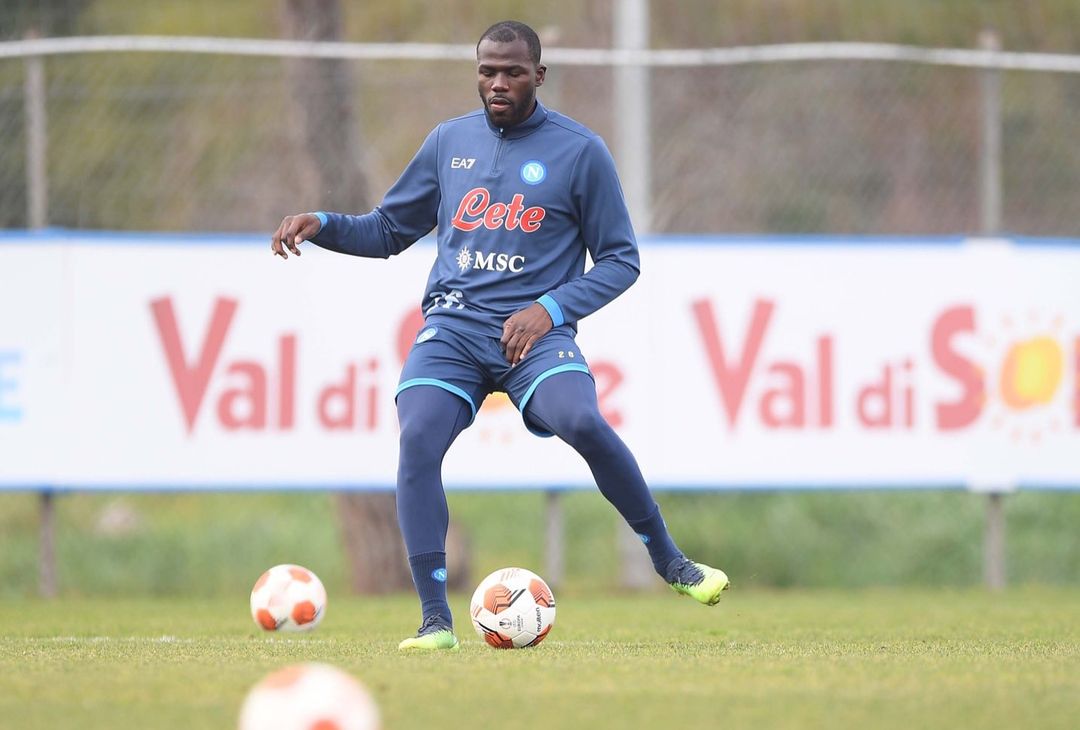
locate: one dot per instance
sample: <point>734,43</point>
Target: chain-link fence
<point>184,141</point>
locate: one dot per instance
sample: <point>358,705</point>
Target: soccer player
<point>519,193</point>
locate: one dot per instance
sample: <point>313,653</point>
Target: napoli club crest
<point>533,172</point>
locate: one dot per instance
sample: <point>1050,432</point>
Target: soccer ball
<point>513,608</point>
<point>288,598</point>
<point>306,696</point>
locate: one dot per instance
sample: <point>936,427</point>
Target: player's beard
<point>516,114</point>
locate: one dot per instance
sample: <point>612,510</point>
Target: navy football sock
<point>565,404</point>
<point>653,532</point>
<point>429,577</point>
<point>430,419</point>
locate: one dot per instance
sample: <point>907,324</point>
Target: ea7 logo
<point>462,163</point>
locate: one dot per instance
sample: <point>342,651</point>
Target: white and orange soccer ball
<point>288,598</point>
<point>308,696</point>
<point>513,608</point>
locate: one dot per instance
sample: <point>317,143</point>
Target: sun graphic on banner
<point>1032,374</point>
<point>502,422</point>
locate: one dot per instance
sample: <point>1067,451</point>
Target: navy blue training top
<point>516,210</point>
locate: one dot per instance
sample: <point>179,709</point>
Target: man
<point>519,193</point>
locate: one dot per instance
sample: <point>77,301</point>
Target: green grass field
<point>762,659</point>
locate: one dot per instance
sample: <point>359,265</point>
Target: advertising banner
<point>202,362</point>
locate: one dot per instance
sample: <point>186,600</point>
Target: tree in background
<point>321,103</point>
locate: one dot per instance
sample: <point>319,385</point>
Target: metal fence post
<point>633,151</point>
<point>990,217</point>
<point>37,207</point>
<point>37,188</point>
<point>990,149</point>
<point>636,570</point>
<point>47,546</point>
<point>554,539</point>
<point>632,133</point>
<point>994,542</point>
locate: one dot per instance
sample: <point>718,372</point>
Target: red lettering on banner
<point>794,394</point>
<point>608,377</point>
<point>888,401</point>
<point>245,403</point>
<point>874,404</point>
<point>191,381</point>
<point>962,412</point>
<point>372,419</point>
<point>337,402</point>
<point>476,209</point>
<point>907,399</point>
<point>287,382</point>
<point>244,406</point>
<point>732,379</point>
<point>825,381</point>
<point>787,403</point>
<point>336,406</point>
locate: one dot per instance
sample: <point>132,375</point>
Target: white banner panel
<point>203,362</point>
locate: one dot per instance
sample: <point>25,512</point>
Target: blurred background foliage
<point>218,544</point>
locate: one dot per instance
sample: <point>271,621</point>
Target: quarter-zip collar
<point>524,129</point>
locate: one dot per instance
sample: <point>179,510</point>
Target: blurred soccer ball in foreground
<point>288,598</point>
<point>309,696</point>
<point>513,608</point>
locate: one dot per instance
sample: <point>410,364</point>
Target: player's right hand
<point>294,230</point>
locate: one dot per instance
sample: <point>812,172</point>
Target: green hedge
<point>216,544</point>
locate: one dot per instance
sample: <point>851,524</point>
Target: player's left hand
<point>522,330</point>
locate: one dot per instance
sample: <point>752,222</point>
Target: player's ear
<point>541,71</point>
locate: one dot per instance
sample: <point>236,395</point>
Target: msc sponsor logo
<point>467,259</point>
<point>477,209</point>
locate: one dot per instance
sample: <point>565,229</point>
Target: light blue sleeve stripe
<point>553,309</point>
<point>322,219</point>
<point>449,387</point>
<point>569,367</point>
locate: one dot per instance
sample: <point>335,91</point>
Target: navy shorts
<point>471,365</point>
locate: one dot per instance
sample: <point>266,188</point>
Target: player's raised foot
<point>434,634</point>
<point>697,580</point>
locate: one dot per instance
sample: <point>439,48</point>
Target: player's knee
<point>584,428</point>
<point>416,444</point>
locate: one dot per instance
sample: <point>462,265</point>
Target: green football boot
<point>433,635</point>
<point>697,580</point>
